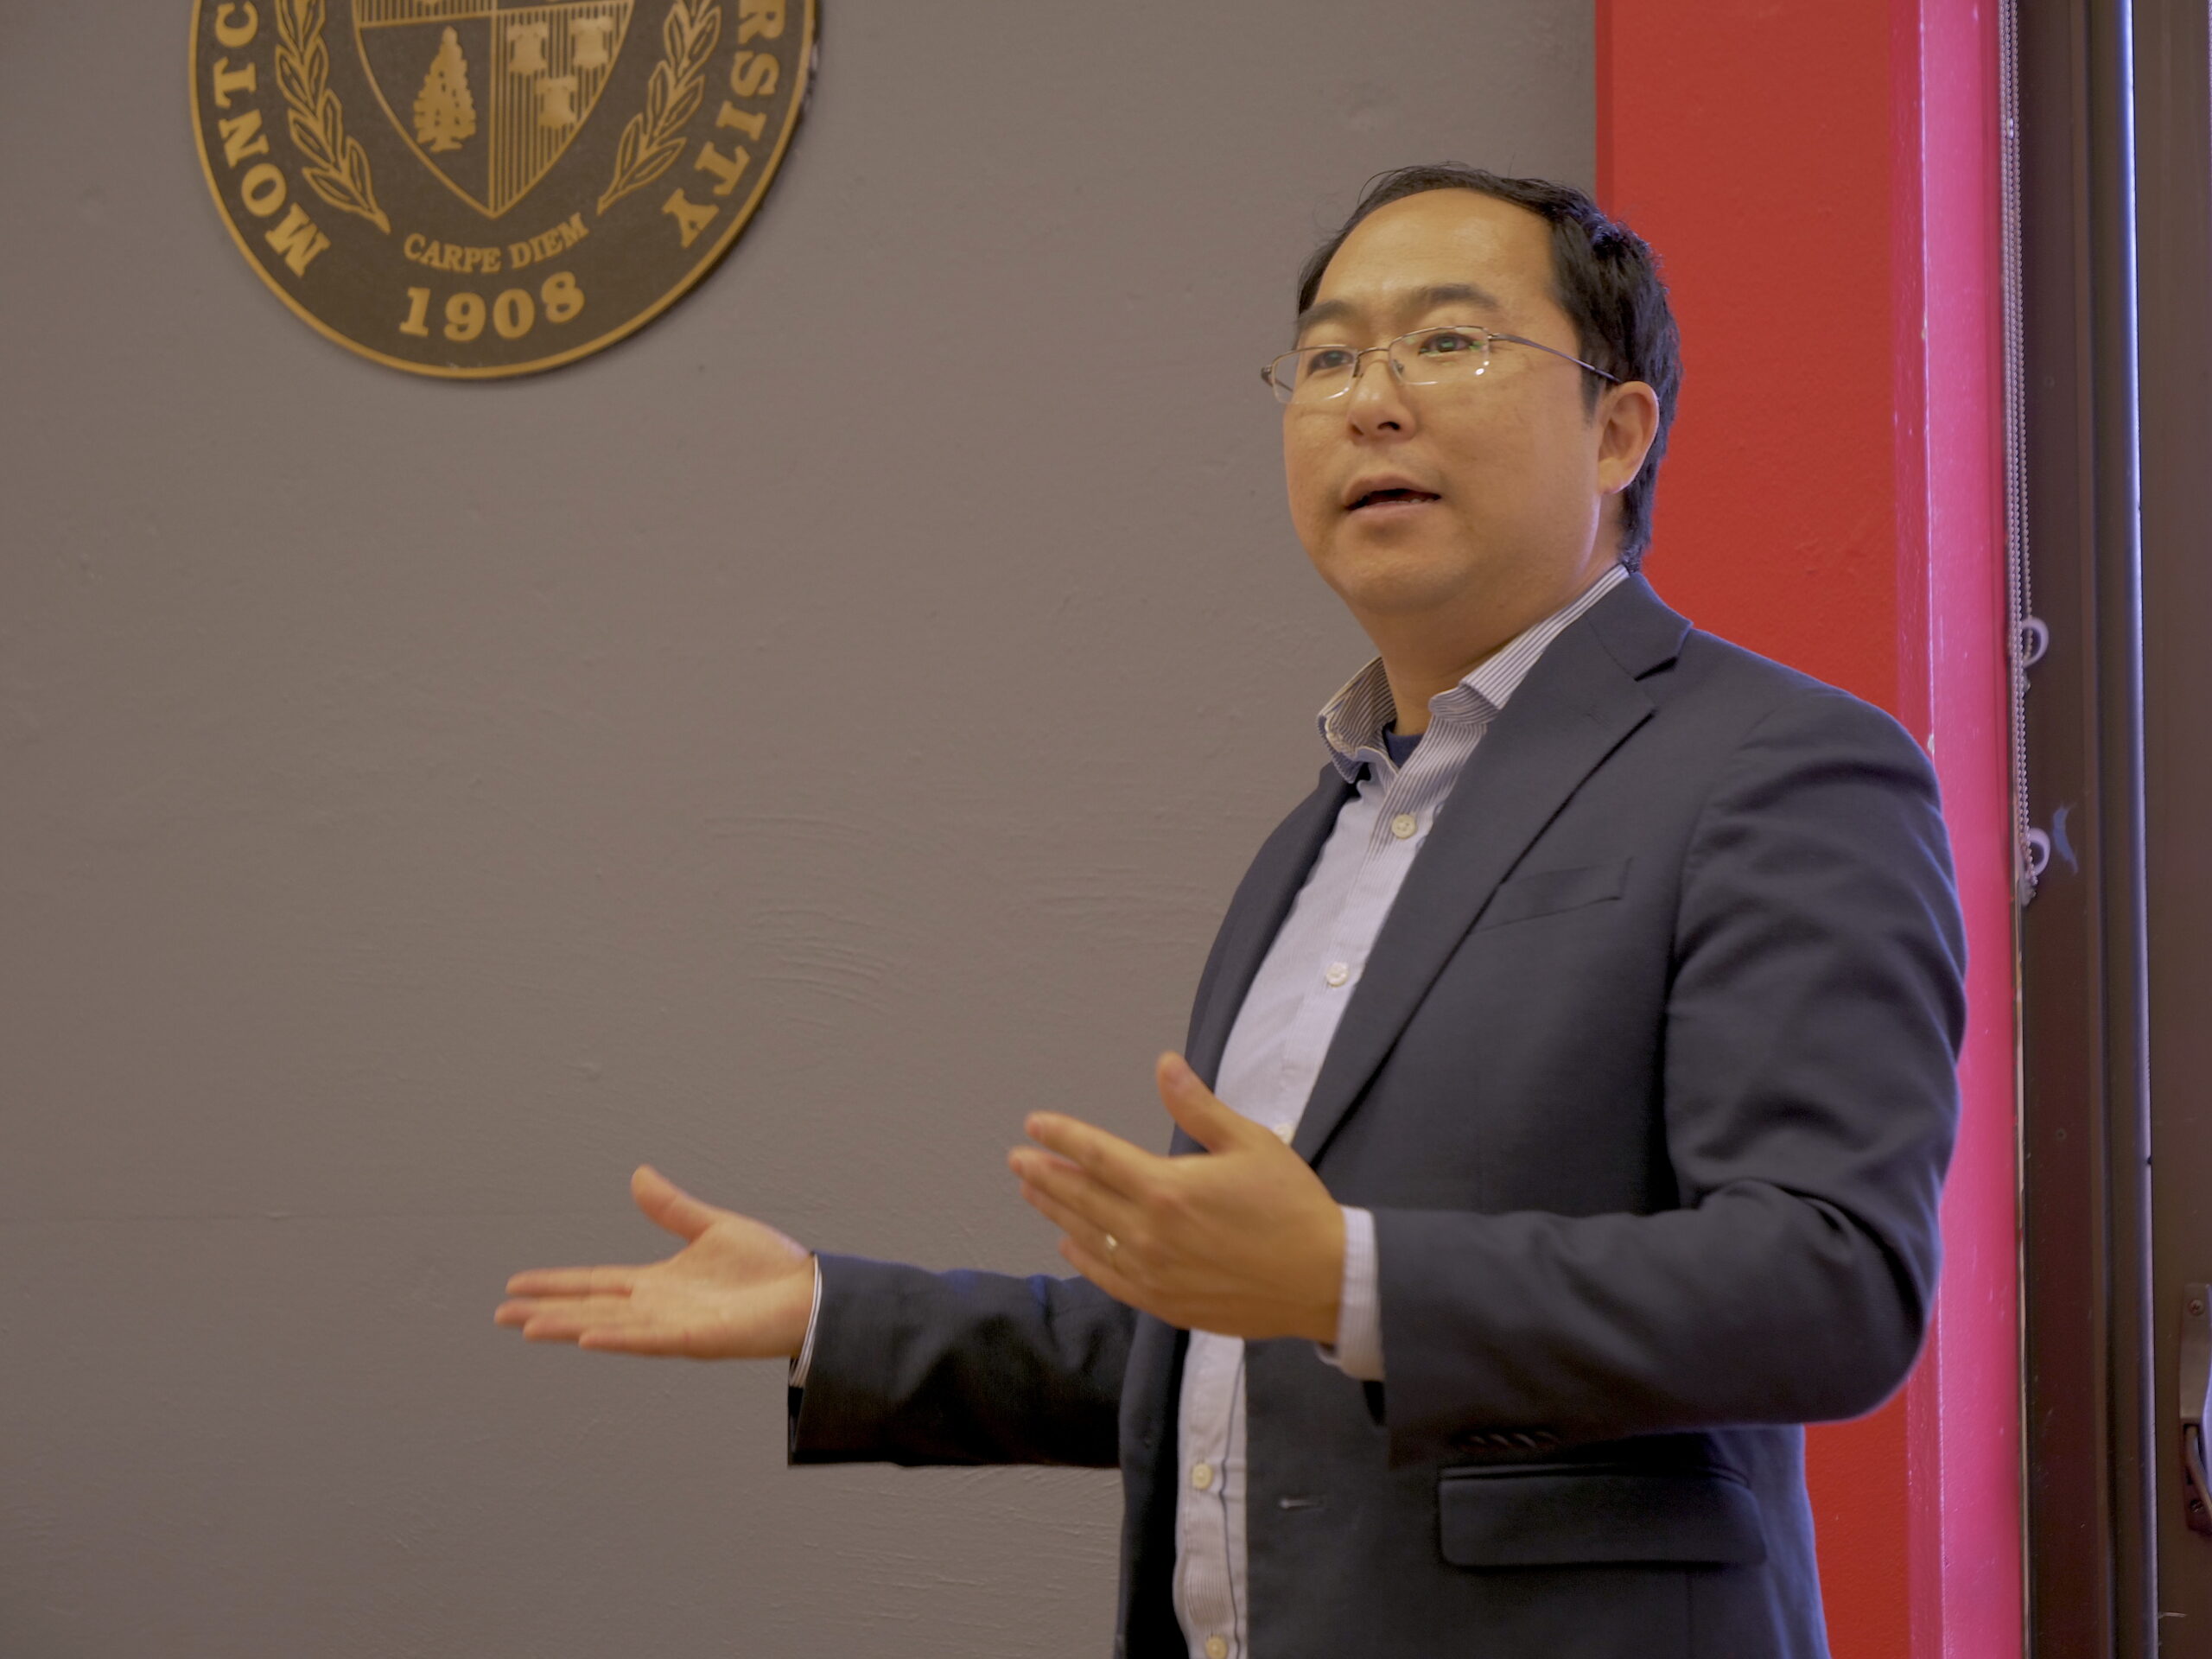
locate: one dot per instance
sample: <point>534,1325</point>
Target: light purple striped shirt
<point>1274,1053</point>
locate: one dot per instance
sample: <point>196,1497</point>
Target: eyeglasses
<point>1427,356</point>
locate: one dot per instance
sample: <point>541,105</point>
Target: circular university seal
<point>481,187</point>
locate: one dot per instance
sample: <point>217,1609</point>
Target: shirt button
<point>1403,825</point>
<point>1202,1475</point>
<point>1337,973</point>
<point>1216,1647</point>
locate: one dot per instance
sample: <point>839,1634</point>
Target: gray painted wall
<point>756,750</point>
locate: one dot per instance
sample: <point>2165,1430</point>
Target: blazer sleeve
<point>1809,1105</point>
<point>915,1367</point>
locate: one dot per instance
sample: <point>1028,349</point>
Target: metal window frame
<point>2091,1477</point>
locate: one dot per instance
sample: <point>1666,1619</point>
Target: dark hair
<point>1605,278</point>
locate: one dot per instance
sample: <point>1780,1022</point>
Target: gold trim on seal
<point>337,166</point>
<point>652,141</point>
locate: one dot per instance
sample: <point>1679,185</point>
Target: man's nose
<point>1377,402</point>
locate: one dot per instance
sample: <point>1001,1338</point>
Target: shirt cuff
<point>1358,1350</point>
<point>814,1317</point>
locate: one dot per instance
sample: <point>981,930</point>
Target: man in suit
<point>1572,1076</point>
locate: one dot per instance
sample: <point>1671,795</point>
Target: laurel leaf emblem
<point>653,139</point>
<point>337,166</point>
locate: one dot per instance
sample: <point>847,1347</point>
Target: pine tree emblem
<point>445,115</point>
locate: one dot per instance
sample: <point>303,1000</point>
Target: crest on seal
<point>482,188</point>
<point>489,95</point>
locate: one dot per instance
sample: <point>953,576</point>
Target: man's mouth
<point>1387,498</point>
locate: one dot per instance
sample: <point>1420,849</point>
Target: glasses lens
<point>1436,356</point>
<point>1314,373</point>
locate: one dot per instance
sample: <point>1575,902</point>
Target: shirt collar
<point>1352,721</point>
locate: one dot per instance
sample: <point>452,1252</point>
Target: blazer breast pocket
<point>1545,892</point>
<point>1570,1515</point>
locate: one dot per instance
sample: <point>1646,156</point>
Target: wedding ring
<point>1112,1243</point>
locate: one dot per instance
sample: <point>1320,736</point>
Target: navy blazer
<point>1649,1082</point>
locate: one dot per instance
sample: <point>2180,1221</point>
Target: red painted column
<point>1821,183</point>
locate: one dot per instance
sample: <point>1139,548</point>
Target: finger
<point>603,1326</point>
<point>669,1205</point>
<point>638,1337</point>
<point>1075,1225</point>
<point>1020,1158</point>
<point>563,1321</point>
<point>1128,1170</point>
<point>1077,1193</point>
<point>1096,1267</point>
<point>1194,1107</point>
<point>574,1281</point>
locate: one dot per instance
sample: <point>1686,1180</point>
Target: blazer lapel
<point>1262,899</point>
<point>1578,704</point>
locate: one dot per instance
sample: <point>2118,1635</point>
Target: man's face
<point>1499,483</point>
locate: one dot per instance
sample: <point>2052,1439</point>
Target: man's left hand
<point>1245,1242</point>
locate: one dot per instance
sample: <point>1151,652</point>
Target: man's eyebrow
<point>1419,299</point>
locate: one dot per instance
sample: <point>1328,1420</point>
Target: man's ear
<point>1627,422</point>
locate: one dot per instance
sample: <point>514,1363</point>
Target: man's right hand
<point>738,1290</point>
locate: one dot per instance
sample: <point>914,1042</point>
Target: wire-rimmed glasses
<point>1427,356</point>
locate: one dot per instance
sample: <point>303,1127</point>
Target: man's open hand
<point>738,1290</point>
<point>1245,1242</point>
